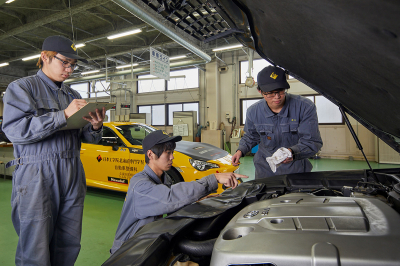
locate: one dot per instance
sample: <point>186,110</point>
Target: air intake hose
<point>196,248</point>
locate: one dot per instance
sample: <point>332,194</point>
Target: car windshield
<point>134,133</point>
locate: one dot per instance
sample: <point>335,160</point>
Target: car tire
<point>175,175</point>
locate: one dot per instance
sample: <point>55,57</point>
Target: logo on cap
<point>73,47</point>
<point>273,75</point>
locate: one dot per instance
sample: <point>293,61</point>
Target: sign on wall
<point>159,64</point>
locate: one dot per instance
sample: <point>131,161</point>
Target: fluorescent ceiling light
<point>9,1</point>
<point>90,72</point>
<point>79,45</point>
<point>227,47</point>
<point>31,57</point>
<point>4,64</point>
<point>177,57</point>
<point>124,34</point>
<point>125,66</point>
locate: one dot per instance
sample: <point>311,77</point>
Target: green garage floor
<point>103,208</point>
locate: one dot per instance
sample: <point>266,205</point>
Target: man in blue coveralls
<point>151,193</point>
<point>49,183</point>
<point>279,120</point>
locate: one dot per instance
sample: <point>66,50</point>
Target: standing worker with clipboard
<point>49,184</point>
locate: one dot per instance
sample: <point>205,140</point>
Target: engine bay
<point>330,218</point>
<point>348,217</point>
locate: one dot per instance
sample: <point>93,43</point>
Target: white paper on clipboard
<point>76,121</point>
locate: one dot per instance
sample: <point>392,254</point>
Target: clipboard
<point>75,121</point>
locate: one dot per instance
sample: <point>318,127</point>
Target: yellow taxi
<point>112,162</point>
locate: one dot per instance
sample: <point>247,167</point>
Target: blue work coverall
<point>294,127</point>
<point>49,183</point>
<point>148,199</point>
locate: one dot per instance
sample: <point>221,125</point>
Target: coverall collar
<point>153,175</point>
<point>48,81</point>
<point>284,110</point>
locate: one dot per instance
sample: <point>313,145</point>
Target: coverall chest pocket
<point>290,134</point>
<point>266,135</point>
<point>45,106</point>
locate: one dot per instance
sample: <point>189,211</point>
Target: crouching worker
<point>151,193</point>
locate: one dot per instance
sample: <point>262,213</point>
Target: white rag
<point>279,156</point>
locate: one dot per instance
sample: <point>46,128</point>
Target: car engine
<point>304,229</point>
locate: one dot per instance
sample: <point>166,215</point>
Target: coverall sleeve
<point>156,199</point>
<point>87,133</point>
<point>310,141</point>
<point>22,123</point>
<point>91,135</point>
<point>251,137</point>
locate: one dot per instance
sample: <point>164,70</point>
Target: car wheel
<point>175,175</point>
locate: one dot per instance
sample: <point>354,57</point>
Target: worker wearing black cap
<point>48,182</point>
<point>285,126</point>
<point>151,192</point>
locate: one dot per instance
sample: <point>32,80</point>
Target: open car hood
<point>347,51</point>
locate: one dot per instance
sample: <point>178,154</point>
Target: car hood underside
<point>347,51</point>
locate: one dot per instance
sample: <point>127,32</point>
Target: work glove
<point>279,156</point>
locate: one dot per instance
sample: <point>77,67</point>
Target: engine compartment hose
<point>196,248</point>
<point>395,177</point>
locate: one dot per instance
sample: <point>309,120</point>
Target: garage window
<point>191,79</point>
<point>244,105</point>
<point>181,107</point>
<point>258,65</point>
<point>157,112</point>
<point>82,88</point>
<point>100,87</point>
<point>152,83</point>
<point>328,113</point>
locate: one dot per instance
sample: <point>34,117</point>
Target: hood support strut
<point>357,141</point>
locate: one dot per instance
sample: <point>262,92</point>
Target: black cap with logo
<point>62,45</point>
<point>157,137</point>
<point>272,78</point>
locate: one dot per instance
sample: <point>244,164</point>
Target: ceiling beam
<point>57,30</point>
<point>137,50</point>
<point>116,60</point>
<point>14,14</point>
<point>88,40</point>
<point>32,44</point>
<point>103,18</point>
<point>52,17</point>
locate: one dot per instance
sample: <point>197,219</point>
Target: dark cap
<point>272,78</point>
<point>157,137</point>
<point>62,45</point>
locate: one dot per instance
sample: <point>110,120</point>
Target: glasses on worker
<point>67,64</point>
<point>272,94</point>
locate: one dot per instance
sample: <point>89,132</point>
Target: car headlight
<point>202,165</point>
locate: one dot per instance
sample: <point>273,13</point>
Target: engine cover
<point>302,229</point>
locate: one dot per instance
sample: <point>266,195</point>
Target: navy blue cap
<point>157,137</point>
<point>62,45</point>
<point>272,78</point>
